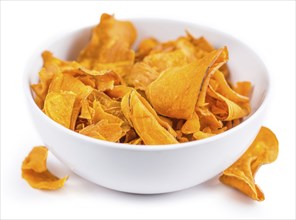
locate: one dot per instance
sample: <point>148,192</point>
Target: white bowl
<point>153,169</point>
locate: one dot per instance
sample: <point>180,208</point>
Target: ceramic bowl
<point>152,169</point>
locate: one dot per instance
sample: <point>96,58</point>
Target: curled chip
<point>35,172</point>
<point>145,121</point>
<point>175,92</point>
<point>240,175</point>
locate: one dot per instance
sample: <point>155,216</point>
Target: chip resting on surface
<point>240,175</point>
<point>35,172</point>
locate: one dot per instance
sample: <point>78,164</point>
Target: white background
<point>267,27</point>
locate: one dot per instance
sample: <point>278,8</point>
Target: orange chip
<point>164,47</point>
<point>240,175</point>
<point>165,60</point>
<point>225,109</point>
<point>46,74</point>
<point>100,114</point>
<point>87,112</point>
<point>204,45</point>
<point>224,89</point>
<point>243,88</point>
<point>118,91</point>
<point>144,120</point>
<point>192,125</point>
<point>104,130</point>
<point>59,106</point>
<point>110,46</point>
<point>107,81</point>
<point>36,160</point>
<point>201,42</point>
<point>192,52</point>
<point>35,172</point>
<point>201,135</point>
<point>144,48</point>
<point>219,61</point>
<point>141,75</point>
<point>137,141</point>
<point>167,92</point>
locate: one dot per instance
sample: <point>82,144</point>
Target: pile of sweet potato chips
<point>162,93</point>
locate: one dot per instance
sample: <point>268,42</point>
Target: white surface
<point>157,169</point>
<point>267,27</point>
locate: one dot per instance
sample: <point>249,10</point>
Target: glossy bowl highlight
<point>152,169</point>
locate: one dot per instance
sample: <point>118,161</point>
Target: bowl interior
<point>244,64</point>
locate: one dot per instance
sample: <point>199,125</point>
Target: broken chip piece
<point>35,172</point>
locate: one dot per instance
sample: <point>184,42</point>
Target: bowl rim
<point>123,146</point>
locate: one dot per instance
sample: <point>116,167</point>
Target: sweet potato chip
<point>59,107</point>
<point>205,47</point>
<point>224,108</point>
<point>243,88</point>
<point>100,114</point>
<point>176,90</point>
<point>201,135</point>
<point>164,123</point>
<point>107,104</point>
<point>144,122</point>
<point>36,160</point>
<point>192,52</point>
<point>145,46</point>
<point>164,47</point>
<point>65,82</point>
<point>141,75</point>
<point>109,47</point>
<point>240,175</point>
<point>81,76</point>
<point>104,130</point>
<point>165,60</point>
<point>192,125</point>
<point>224,89</point>
<point>118,91</point>
<point>181,137</point>
<point>137,141</point>
<point>107,81</point>
<point>46,74</point>
<point>208,119</point>
<point>35,172</point>
<point>219,61</point>
<point>87,112</point>
<point>201,43</point>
